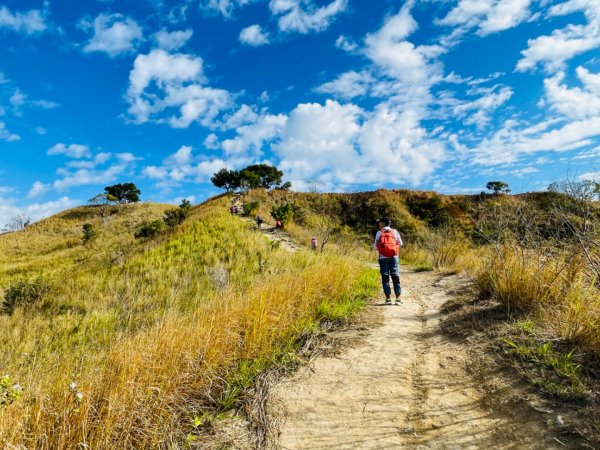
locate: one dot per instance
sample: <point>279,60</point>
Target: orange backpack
<point>387,245</point>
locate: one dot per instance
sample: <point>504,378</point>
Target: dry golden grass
<point>156,332</point>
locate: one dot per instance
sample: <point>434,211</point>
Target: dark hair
<point>385,220</point>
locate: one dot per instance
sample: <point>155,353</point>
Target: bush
<point>150,229</point>
<point>174,217</point>
<point>284,213</point>
<point>88,232</point>
<point>251,208</point>
<point>23,294</point>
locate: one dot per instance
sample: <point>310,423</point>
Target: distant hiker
<point>259,221</point>
<point>278,225</point>
<point>388,243</point>
<point>232,210</point>
<point>313,243</point>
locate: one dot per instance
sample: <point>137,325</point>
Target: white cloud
<point>563,44</point>
<point>6,135</point>
<point>479,111</point>
<point>114,34</point>
<point>29,23</point>
<point>488,16</point>
<point>92,174</point>
<point>254,36</point>
<point>509,143</point>
<point>178,78</point>
<point>225,7</point>
<point>252,137</point>
<point>183,167</point>
<point>174,40</point>
<point>575,103</point>
<point>302,16</point>
<point>72,150</point>
<point>35,211</point>
<point>396,57</point>
<point>342,145</point>
<point>346,44</point>
<point>38,188</point>
<point>348,85</point>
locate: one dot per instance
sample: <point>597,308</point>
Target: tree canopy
<point>252,177</point>
<point>497,187</point>
<point>124,192</point>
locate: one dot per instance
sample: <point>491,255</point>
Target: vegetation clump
<point>23,294</point>
<point>150,229</point>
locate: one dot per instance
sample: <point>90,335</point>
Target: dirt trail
<point>404,385</point>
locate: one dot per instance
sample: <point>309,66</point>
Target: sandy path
<point>404,386</point>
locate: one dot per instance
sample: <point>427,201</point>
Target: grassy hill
<point>133,341</point>
<point>122,341</point>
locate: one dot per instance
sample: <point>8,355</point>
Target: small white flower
<point>73,386</point>
<point>17,387</point>
<point>79,396</point>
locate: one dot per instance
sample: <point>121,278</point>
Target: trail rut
<point>404,385</point>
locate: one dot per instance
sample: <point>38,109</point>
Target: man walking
<point>388,243</point>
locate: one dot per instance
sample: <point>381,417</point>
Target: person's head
<point>384,222</point>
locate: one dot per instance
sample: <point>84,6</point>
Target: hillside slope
<point>127,342</point>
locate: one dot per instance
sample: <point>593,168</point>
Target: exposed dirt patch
<point>407,384</point>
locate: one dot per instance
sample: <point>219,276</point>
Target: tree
<point>124,192</point>
<point>18,223</point>
<point>497,187</point>
<point>262,175</point>
<point>252,177</point>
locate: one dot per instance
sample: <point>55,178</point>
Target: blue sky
<point>346,95</point>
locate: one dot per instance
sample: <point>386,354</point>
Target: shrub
<point>23,294</point>
<point>176,216</point>
<point>251,208</point>
<point>150,229</point>
<point>88,232</point>
<point>284,213</point>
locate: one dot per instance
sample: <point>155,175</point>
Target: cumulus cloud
<point>173,40</point>
<point>114,34</point>
<point>183,167</point>
<point>6,135</point>
<point>251,137</point>
<point>29,23</point>
<point>348,85</point>
<point>224,7</point>
<point>552,51</point>
<point>346,44</point>
<point>168,88</point>
<point>488,16</point>
<point>97,171</point>
<point>72,150</point>
<point>254,36</point>
<point>344,145</point>
<point>38,188</point>
<point>10,208</point>
<point>302,16</point>
<point>574,103</point>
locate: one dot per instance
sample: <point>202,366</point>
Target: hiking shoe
<point>398,302</point>
<point>388,301</point>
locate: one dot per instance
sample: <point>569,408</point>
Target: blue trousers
<point>389,267</point>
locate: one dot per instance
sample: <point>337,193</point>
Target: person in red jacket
<point>387,243</point>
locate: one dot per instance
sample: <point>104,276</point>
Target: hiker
<point>313,243</point>
<point>388,243</point>
<point>278,225</point>
<point>232,210</point>
<point>259,221</point>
